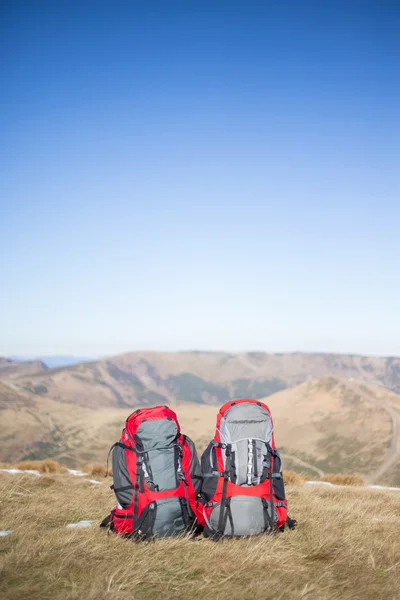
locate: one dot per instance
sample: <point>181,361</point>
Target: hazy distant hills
<point>201,377</point>
<point>10,369</point>
<point>339,425</point>
<point>331,412</point>
<point>53,361</point>
<point>321,426</point>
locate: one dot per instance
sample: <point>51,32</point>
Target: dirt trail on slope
<point>302,463</point>
<point>394,448</point>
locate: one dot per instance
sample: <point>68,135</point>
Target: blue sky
<point>199,175</point>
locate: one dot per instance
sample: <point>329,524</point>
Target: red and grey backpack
<point>242,487</point>
<point>156,476</point>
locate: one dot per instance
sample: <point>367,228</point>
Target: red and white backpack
<point>243,487</point>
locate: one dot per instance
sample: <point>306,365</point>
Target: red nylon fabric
<point>134,420</point>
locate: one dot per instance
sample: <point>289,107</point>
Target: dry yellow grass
<point>293,478</point>
<point>43,466</point>
<point>343,479</point>
<point>346,547</point>
<point>96,470</point>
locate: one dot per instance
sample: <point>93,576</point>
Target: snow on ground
<point>15,471</point>
<point>323,483</point>
<point>80,524</point>
<point>77,473</point>
<point>383,487</point>
<point>4,532</point>
<point>385,519</point>
<point>371,487</point>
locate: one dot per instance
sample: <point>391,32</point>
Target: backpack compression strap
<point>225,510</point>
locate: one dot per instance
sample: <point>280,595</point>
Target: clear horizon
<point>214,176</point>
<point>105,356</point>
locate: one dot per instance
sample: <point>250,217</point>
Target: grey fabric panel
<point>169,520</point>
<point>159,438</point>
<point>158,433</point>
<point>248,455</point>
<point>243,422</point>
<point>247,515</point>
<point>121,476</point>
<point>195,469</point>
<point>241,457</point>
<point>163,469</point>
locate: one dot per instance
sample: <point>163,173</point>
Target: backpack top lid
<point>156,413</point>
<point>244,419</point>
<point>231,403</point>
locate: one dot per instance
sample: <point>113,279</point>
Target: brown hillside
<point>11,397</point>
<point>322,426</point>
<point>140,378</point>
<point>339,425</point>
<point>34,427</point>
<point>10,369</point>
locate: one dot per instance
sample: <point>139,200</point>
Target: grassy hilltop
<point>346,547</point>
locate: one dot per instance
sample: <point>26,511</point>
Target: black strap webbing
<point>228,513</point>
<point>108,457</point>
<point>183,477</point>
<point>123,489</point>
<point>124,446</point>
<point>255,470</point>
<point>139,473</point>
<point>218,445</point>
<point>268,525</point>
<point>214,474</point>
<point>105,522</point>
<point>271,504</point>
<point>228,510</point>
<point>221,520</point>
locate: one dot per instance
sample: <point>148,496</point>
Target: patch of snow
<point>385,519</point>
<point>77,473</point>
<point>80,524</point>
<point>4,532</point>
<point>15,471</point>
<point>372,487</point>
<point>321,483</point>
<point>383,487</point>
<point>94,481</point>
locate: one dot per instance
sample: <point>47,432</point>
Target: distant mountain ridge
<point>11,369</point>
<point>321,426</point>
<point>141,378</point>
<point>54,361</point>
<point>339,424</point>
<point>331,412</point>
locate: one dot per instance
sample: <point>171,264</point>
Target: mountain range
<point>331,412</point>
<point>53,361</point>
<point>200,377</point>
